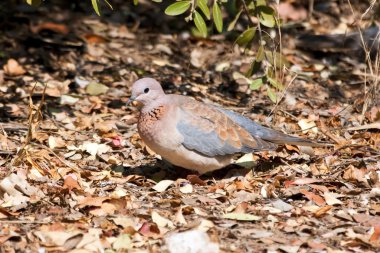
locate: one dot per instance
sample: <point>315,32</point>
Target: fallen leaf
<point>187,188</point>
<point>303,181</point>
<point>282,205</point>
<point>195,180</point>
<point>94,38</point>
<point>71,182</point>
<point>162,185</point>
<point>96,89</point>
<point>123,242</point>
<point>161,221</point>
<point>192,241</point>
<point>331,198</point>
<point>55,27</point>
<point>308,125</point>
<point>313,197</point>
<point>241,217</point>
<point>13,68</point>
<point>375,235</point>
<point>56,142</point>
<point>322,211</point>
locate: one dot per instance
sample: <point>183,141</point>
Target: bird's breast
<point>157,129</point>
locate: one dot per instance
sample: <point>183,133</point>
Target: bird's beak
<point>132,101</point>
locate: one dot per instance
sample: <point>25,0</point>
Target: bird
<point>198,136</point>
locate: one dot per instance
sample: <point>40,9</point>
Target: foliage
<point>268,64</point>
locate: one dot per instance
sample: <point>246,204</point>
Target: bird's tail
<point>281,138</point>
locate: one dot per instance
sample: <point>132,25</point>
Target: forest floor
<point>75,175</point>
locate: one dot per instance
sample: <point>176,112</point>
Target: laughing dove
<point>199,136</point>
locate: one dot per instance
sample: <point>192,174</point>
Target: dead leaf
<point>313,197</point>
<point>322,211</point>
<point>191,241</point>
<point>161,221</point>
<point>96,89</point>
<point>71,182</point>
<point>241,217</point>
<point>331,198</point>
<point>123,242</point>
<point>55,27</point>
<point>56,142</point>
<point>162,185</point>
<point>92,38</point>
<point>186,189</point>
<point>305,181</point>
<point>13,68</point>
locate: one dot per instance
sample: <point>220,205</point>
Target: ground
<point>75,175</point>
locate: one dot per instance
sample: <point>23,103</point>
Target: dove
<point>199,136</point>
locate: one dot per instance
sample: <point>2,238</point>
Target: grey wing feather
<point>207,143</point>
<point>201,134</point>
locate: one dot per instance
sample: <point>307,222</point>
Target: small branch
<point>246,11</point>
<point>7,152</point>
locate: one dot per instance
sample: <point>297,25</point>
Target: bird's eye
<point>146,90</point>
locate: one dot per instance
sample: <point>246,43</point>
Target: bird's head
<point>145,91</point>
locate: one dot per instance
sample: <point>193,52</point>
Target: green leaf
<point>233,22</point>
<point>95,6</point>
<point>217,16</point>
<point>200,24</point>
<point>260,54</point>
<point>34,2</point>
<point>135,2</point>
<point>256,84</point>
<point>202,4</point>
<point>266,16</point>
<point>261,3</point>
<point>246,37</point>
<point>272,95</point>
<point>177,8</point>
<point>275,83</point>
<point>242,216</point>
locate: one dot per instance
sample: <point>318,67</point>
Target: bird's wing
<point>211,132</point>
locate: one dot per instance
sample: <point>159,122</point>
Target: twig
<point>246,11</point>
<point>24,222</point>
<point>7,152</point>
<point>283,94</point>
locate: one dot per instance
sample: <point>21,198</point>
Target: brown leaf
<point>50,26</point>
<point>303,181</point>
<point>150,230</point>
<point>71,182</point>
<point>313,197</point>
<point>321,211</point>
<point>316,245</point>
<point>195,180</point>
<point>292,148</point>
<point>13,68</point>
<point>355,175</point>
<point>92,201</point>
<point>92,38</point>
<point>375,235</point>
